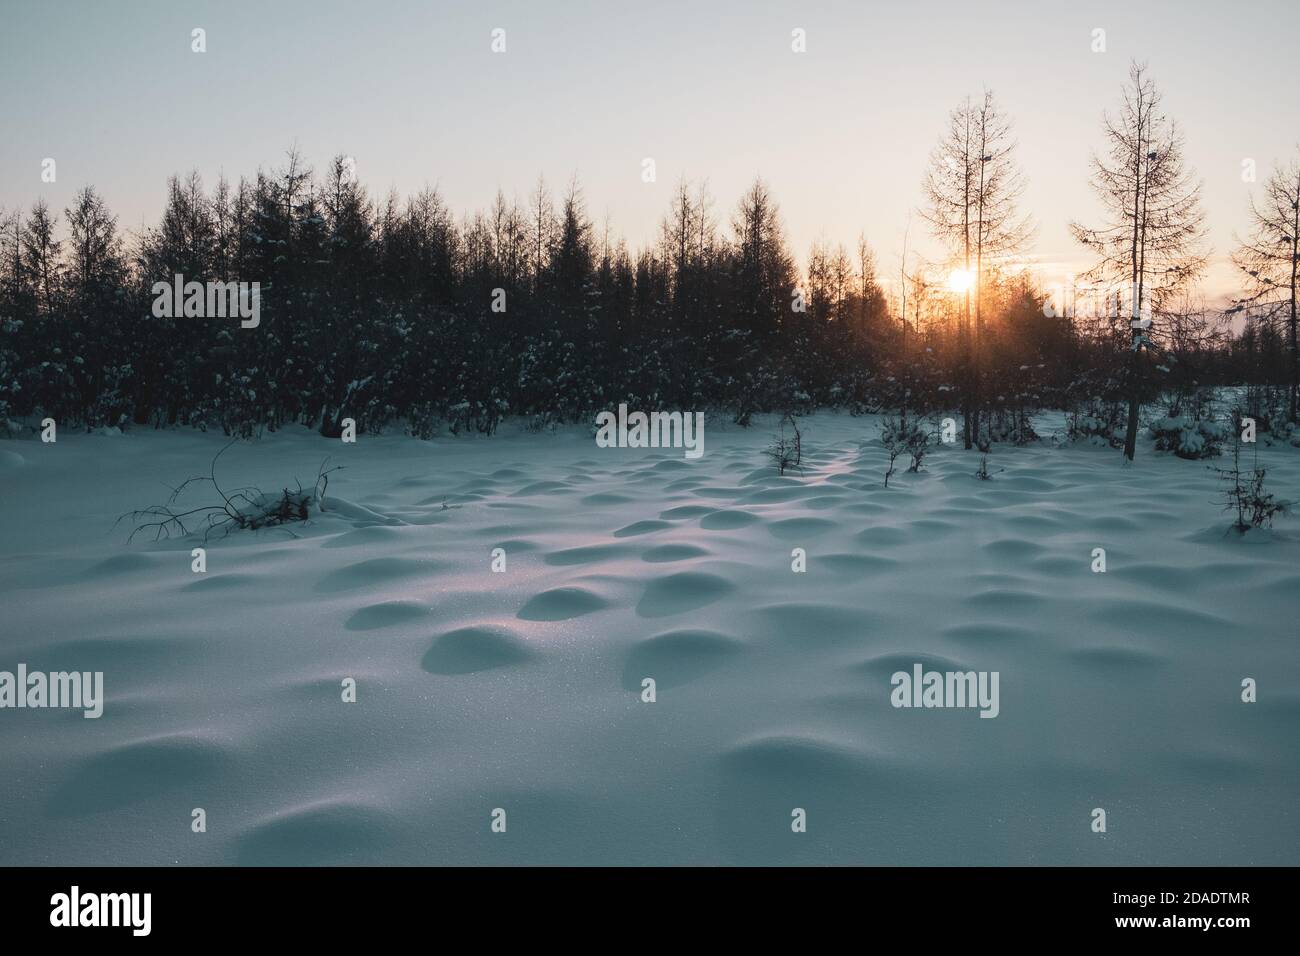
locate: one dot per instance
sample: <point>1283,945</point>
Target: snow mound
<point>496,606</point>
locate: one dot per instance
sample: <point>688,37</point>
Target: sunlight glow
<point>959,280</point>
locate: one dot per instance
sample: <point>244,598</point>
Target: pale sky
<point>411,89</point>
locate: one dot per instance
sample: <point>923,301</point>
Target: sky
<point>412,90</point>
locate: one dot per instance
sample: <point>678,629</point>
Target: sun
<point>959,280</point>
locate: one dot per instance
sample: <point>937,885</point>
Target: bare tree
<point>294,179</point>
<point>972,189</point>
<point>41,259</point>
<point>223,231</point>
<point>873,306</point>
<point>542,230</point>
<point>1154,223</point>
<point>96,268</point>
<point>706,233</point>
<point>764,268</point>
<point>1270,258</point>
<point>679,231</point>
<point>903,279</point>
<point>10,253</point>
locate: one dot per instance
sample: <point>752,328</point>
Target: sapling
<point>786,450</point>
<point>1245,494</point>
<point>903,437</point>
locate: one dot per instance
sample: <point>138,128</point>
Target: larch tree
<point>872,307</point>
<point>1154,225</point>
<point>972,189</point>
<point>679,247</point>
<point>541,231</point>
<point>95,256</point>
<point>764,272</point>
<point>688,252</point>
<point>40,261</point>
<point>1269,258</point>
<point>223,232</point>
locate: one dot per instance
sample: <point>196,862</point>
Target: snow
<point>521,690</point>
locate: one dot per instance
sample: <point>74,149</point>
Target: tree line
<point>391,311</point>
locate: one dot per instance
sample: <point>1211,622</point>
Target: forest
<point>395,312</point>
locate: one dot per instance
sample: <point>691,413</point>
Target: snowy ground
<point>521,690</point>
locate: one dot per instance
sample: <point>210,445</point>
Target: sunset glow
<point>959,280</point>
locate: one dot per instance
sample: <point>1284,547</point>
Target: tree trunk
<point>1130,435</point>
<point>967,405</point>
<point>1295,260</point>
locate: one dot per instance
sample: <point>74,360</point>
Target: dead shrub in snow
<point>247,508</point>
<point>982,472</point>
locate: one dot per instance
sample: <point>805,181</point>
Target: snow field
<point>521,690</point>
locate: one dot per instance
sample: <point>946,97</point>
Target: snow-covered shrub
<point>373,416</point>
<point>1267,404</point>
<point>423,420</point>
<point>903,430</point>
<point>240,412</point>
<point>901,436</point>
<point>1288,432</point>
<point>110,408</point>
<point>1189,437</point>
<point>1097,422</point>
<point>762,389</point>
<point>480,415</point>
<point>1008,425</point>
<point>9,365</point>
<point>543,422</point>
<point>857,393</point>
